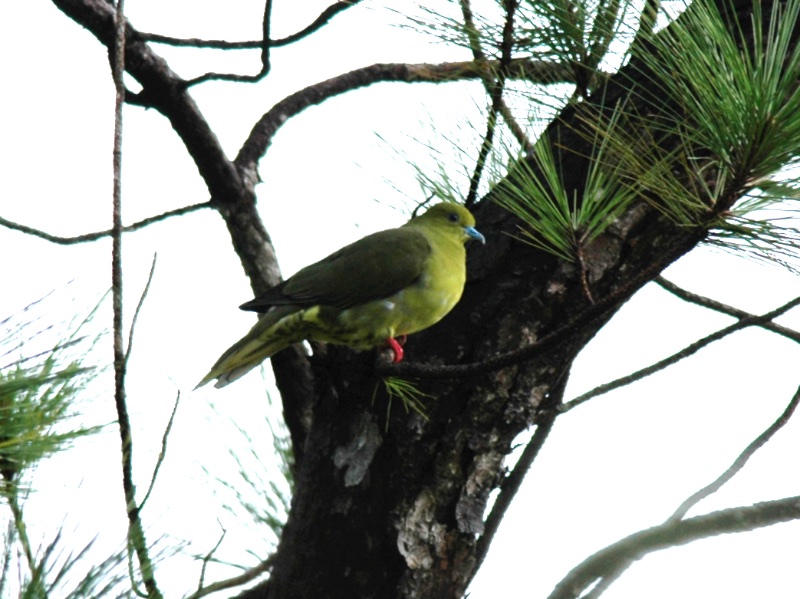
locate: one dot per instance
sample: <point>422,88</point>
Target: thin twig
<point>264,45</point>
<point>569,328</point>
<point>207,558</point>
<point>161,454</point>
<point>473,36</point>
<point>723,308</point>
<point>739,462</point>
<point>584,272</point>
<point>265,37</point>
<point>512,483</point>
<point>136,538</point>
<point>494,89</point>
<point>234,581</point>
<point>139,307</point>
<point>686,352</point>
<point>324,17</point>
<point>100,234</point>
<point>22,533</point>
<point>672,534</point>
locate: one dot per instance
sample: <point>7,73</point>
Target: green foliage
<point>40,388</point>
<point>739,103</point>
<point>579,33</point>
<point>558,220</point>
<point>675,182</point>
<point>410,397</point>
<point>576,32</point>
<point>744,105</point>
<point>764,225</point>
<point>33,401</point>
<point>59,573</point>
<point>734,134</point>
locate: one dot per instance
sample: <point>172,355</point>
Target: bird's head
<point>450,216</point>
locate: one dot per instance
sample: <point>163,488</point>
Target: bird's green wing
<point>377,266</point>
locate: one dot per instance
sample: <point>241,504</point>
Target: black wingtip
<point>254,305</point>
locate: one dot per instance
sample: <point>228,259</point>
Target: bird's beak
<point>473,233</point>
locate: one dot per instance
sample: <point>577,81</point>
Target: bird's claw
<point>396,348</point>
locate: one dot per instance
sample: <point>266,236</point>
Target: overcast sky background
<point>335,173</point>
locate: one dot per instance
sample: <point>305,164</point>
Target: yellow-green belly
<point>412,309</point>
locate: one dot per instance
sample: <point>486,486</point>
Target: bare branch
<point>234,581</point>
<point>686,352</point>
<point>529,352</point>
<point>194,42</point>
<point>723,308</point>
<point>265,27</point>
<point>225,77</point>
<point>739,462</point>
<point>614,574</point>
<point>136,537</point>
<point>162,90</point>
<point>100,234</point>
<point>261,136</point>
<point>207,558</point>
<point>139,307</point>
<point>672,534</point>
<point>264,45</point>
<point>323,19</point>
<point>494,88</point>
<point>163,453</point>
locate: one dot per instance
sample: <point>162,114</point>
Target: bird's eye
<point>452,217</point>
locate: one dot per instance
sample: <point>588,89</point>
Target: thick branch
<point>231,193</point>
<point>739,463</point>
<point>673,534</point>
<point>261,136</point>
<point>163,91</point>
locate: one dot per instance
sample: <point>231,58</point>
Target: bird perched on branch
<point>388,284</point>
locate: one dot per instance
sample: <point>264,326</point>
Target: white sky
<point>613,466</point>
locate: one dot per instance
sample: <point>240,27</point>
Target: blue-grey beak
<point>474,234</point>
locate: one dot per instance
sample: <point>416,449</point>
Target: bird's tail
<point>261,342</point>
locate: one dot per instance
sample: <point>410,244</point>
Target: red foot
<point>396,348</point>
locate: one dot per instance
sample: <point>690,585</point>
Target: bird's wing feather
<point>375,267</point>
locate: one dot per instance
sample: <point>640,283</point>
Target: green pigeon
<point>388,284</point>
